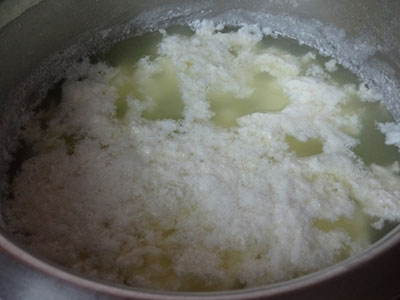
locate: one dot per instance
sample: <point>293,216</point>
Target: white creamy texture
<point>331,65</point>
<point>392,131</point>
<point>188,205</point>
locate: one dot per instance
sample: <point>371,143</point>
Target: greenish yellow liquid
<point>267,96</point>
<point>161,89</point>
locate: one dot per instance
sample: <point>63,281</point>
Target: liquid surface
<point>206,159</point>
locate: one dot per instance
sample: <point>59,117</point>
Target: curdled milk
<point>207,160</point>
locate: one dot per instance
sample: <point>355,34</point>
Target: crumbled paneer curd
<point>331,65</point>
<point>219,163</point>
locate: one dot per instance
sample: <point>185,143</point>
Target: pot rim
<point>120,291</point>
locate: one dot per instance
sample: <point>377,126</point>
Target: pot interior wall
<point>50,27</point>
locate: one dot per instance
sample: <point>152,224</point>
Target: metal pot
<point>363,35</point>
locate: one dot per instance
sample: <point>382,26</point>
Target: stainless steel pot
<point>364,35</point>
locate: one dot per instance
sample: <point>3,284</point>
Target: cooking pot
<point>38,39</point>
